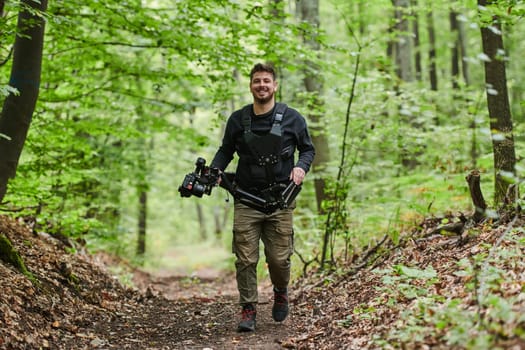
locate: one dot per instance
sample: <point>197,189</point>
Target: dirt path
<point>75,303</point>
<point>71,301</point>
<point>197,313</point>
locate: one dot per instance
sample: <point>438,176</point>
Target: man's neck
<point>259,109</point>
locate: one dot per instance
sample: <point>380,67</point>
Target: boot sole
<point>243,329</point>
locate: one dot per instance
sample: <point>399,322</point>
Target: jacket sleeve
<point>224,154</point>
<point>305,147</point>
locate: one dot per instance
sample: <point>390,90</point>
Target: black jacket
<point>295,136</point>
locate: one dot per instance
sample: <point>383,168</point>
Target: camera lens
<point>198,189</point>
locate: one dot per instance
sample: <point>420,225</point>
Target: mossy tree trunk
<point>11,256</point>
<point>498,105</point>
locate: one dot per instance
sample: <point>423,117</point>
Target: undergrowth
<point>480,312</point>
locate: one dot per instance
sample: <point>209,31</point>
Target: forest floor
<point>74,302</point>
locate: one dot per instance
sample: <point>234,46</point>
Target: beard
<point>265,99</point>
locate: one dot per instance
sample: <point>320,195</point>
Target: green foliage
<point>410,148</point>
<point>402,282</point>
<point>476,316</point>
<point>133,91</point>
<point>125,84</point>
<point>7,89</point>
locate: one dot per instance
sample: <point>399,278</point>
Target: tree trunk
<point>432,70</point>
<point>474,144</point>
<point>473,180</point>
<point>498,106</point>
<point>454,56</point>
<point>17,111</point>
<point>361,11</point>
<point>462,39</point>
<point>403,45</point>
<point>142,191</point>
<point>220,216</point>
<point>142,184</point>
<point>10,255</point>
<point>202,222</point>
<point>309,12</point>
<point>417,46</point>
<point>143,201</point>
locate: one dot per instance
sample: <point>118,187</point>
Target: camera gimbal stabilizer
<point>278,196</point>
<point>204,178</point>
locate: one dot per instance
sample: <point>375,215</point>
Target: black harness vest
<point>265,149</point>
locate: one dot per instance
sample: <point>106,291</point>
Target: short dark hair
<point>263,67</point>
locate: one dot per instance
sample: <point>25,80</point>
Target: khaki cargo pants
<point>276,232</point>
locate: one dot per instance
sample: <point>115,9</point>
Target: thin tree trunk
<point>403,45</point>
<point>142,189</point>
<point>220,216</point>
<point>361,10</point>
<point>143,201</point>
<point>498,106</point>
<point>417,46</point>
<point>454,57</point>
<point>474,144</point>
<point>432,70</point>
<point>462,39</point>
<point>17,111</point>
<point>142,178</point>
<point>309,12</point>
<point>390,44</point>
<point>202,222</point>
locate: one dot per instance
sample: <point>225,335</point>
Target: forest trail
<point>202,309</point>
<point>195,312</point>
<point>75,303</point>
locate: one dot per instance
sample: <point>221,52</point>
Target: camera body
<point>199,182</point>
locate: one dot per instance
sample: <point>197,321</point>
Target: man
<point>265,136</point>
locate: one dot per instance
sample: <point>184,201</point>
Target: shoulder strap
<point>246,118</point>
<point>280,109</point>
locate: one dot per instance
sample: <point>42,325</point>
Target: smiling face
<point>263,87</point>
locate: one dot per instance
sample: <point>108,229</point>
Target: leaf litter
<point>77,303</point>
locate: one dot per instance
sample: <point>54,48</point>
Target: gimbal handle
<point>286,198</point>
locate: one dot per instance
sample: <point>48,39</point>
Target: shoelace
<point>247,314</point>
<point>281,298</point>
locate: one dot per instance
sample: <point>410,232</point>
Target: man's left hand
<point>297,175</point>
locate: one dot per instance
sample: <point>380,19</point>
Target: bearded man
<point>266,136</point>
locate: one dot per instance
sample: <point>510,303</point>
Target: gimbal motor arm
<point>280,200</point>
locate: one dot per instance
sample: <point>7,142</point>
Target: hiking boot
<point>248,314</point>
<point>280,304</point>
